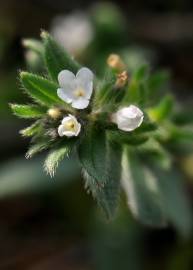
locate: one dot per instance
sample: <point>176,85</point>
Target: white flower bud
<point>69,127</point>
<point>54,113</point>
<point>128,118</point>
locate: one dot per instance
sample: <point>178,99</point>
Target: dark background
<point>52,223</point>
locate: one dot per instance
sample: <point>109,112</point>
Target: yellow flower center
<point>79,92</point>
<point>70,125</point>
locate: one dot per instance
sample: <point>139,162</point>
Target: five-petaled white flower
<point>128,118</point>
<point>69,127</point>
<point>76,90</point>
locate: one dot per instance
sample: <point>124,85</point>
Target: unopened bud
<point>115,61</point>
<point>122,79</point>
<point>54,113</point>
<point>128,118</point>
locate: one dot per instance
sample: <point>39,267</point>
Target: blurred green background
<point>52,223</point>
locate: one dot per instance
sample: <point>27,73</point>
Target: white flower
<point>128,118</point>
<point>76,90</point>
<point>74,31</point>
<point>69,127</point>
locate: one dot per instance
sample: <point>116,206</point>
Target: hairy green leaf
<point>37,148</point>
<point>136,91</point>
<point>163,110</point>
<point>122,137</point>
<point>105,92</point>
<point>176,205</point>
<point>54,158</point>
<point>141,73</point>
<point>32,130</point>
<point>93,154</point>
<point>28,111</point>
<point>40,89</point>
<point>146,127</point>
<point>152,150</point>
<point>34,45</point>
<point>108,194</point>
<point>56,58</point>
<point>142,191</point>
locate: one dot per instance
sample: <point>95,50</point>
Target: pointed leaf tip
<point>56,58</point>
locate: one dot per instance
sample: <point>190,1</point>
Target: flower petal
<point>130,124</point>
<point>131,112</point>
<point>84,79</point>
<point>61,130</point>
<point>78,129</point>
<point>126,126</point>
<point>65,95</point>
<point>88,89</point>
<point>68,118</point>
<point>80,103</point>
<point>69,133</point>
<point>86,86</point>
<point>66,78</point>
<point>85,74</point>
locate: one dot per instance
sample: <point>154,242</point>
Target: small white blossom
<point>74,31</point>
<point>69,127</point>
<point>76,90</point>
<point>128,118</point>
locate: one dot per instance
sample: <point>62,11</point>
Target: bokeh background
<point>52,223</point>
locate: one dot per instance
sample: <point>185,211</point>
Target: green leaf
<point>183,117</point>
<point>27,111</point>
<point>54,158</point>
<point>34,45</point>
<point>163,110</point>
<point>176,204</point>
<point>153,151</point>
<point>146,127</point>
<point>132,95</point>
<point>122,137</point>
<point>155,194</point>
<point>93,154</point>
<point>180,139</point>
<point>136,92</point>
<point>37,148</point>
<point>142,191</point>
<point>141,73</point>
<point>156,82</point>
<point>105,92</point>
<point>40,89</point>
<point>32,130</point>
<point>56,58</point>
<point>107,195</point>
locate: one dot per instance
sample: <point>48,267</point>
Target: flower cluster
<point>118,125</point>
<point>77,91</point>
